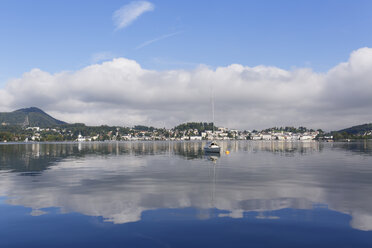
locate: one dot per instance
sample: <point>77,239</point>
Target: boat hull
<point>212,149</point>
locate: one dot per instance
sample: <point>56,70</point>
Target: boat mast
<point>212,112</point>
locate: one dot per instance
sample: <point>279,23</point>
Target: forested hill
<point>360,129</point>
<point>200,126</point>
<point>29,117</point>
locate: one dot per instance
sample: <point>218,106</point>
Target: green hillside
<point>360,129</point>
<point>29,117</point>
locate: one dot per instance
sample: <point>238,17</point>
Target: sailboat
<point>212,147</point>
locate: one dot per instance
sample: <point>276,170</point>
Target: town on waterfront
<point>34,125</point>
<point>188,131</point>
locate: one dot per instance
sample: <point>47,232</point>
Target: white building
<point>306,137</point>
<point>195,137</point>
<point>82,138</point>
<point>266,137</point>
<point>256,137</point>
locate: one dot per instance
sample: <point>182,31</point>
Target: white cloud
<point>124,16</point>
<point>121,92</point>
<point>146,43</point>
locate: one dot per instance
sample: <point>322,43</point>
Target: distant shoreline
<point>177,141</point>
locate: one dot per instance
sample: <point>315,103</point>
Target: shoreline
<point>178,141</point>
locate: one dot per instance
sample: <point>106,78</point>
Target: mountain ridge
<point>31,116</point>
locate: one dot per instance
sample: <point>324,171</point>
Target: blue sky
<point>67,35</point>
<point>270,63</point>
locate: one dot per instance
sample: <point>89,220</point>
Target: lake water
<point>169,194</point>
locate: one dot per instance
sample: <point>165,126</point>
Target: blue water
<point>169,194</point>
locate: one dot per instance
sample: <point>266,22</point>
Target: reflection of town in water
<point>121,180</point>
<point>31,156</point>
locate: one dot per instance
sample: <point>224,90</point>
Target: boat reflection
<point>212,156</point>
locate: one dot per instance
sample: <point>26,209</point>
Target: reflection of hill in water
<point>119,181</point>
<point>363,147</point>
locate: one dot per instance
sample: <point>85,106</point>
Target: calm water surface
<point>170,194</point>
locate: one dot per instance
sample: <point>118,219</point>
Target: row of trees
<point>200,126</point>
<point>346,136</point>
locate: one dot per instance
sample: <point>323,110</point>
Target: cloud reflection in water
<point>119,181</point>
